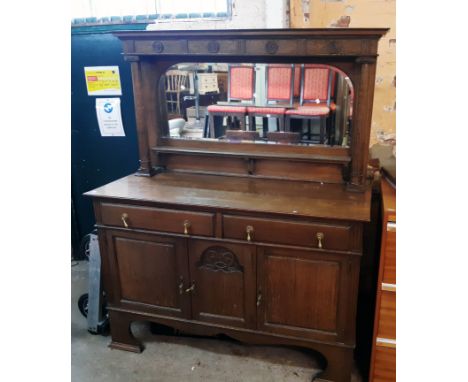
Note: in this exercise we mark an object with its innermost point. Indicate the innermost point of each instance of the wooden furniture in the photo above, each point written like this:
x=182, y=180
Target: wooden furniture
x=261, y=242
x=279, y=85
x=241, y=87
x=315, y=98
x=175, y=80
x=383, y=359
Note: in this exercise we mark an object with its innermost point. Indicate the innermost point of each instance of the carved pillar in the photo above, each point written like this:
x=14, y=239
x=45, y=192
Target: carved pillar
x=360, y=134
x=146, y=168
x=154, y=94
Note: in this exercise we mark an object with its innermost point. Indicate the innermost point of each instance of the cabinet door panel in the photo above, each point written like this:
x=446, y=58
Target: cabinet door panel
x=224, y=279
x=301, y=293
x=150, y=269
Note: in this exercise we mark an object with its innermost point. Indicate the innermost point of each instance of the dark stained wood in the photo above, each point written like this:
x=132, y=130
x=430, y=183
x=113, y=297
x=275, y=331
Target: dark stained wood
x=261, y=242
x=283, y=137
x=362, y=118
x=298, y=199
x=286, y=232
x=352, y=50
x=277, y=151
x=257, y=154
x=148, y=271
x=300, y=294
x=224, y=276
x=158, y=219
x=240, y=135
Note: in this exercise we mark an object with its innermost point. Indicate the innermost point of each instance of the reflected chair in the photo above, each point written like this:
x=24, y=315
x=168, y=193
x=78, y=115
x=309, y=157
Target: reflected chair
x=314, y=99
x=176, y=81
x=241, y=85
x=297, y=82
x=279, y=83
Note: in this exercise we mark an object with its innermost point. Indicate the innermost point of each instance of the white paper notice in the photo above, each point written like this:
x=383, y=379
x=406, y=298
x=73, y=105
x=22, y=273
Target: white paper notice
x=109, y=117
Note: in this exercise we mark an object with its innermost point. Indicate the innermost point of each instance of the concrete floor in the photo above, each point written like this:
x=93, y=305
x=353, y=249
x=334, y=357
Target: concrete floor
x=177, y=358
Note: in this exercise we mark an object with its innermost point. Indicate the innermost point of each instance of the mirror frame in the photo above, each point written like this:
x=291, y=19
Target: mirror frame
x=151, y=53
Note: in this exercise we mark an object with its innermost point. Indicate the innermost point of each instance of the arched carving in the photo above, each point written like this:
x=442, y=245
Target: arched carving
x=219, y=259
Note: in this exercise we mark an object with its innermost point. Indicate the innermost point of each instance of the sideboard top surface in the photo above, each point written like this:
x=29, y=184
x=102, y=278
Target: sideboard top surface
x=306, y=199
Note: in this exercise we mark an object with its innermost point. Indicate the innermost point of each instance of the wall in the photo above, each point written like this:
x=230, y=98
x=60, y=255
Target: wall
x=356, y=14
x=97, y=160
x=246, y=14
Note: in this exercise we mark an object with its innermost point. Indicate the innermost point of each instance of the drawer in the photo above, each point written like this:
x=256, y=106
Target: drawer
x=384, y=369
x=387, y=315
x=287, y=232
x=158, y=219
x=389, y=247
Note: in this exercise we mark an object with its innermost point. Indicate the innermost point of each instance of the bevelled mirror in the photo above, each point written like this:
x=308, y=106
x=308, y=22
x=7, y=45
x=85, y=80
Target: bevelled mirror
x=281, y=103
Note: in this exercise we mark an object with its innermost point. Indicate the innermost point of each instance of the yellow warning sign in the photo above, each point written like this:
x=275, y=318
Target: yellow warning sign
x=103, y=80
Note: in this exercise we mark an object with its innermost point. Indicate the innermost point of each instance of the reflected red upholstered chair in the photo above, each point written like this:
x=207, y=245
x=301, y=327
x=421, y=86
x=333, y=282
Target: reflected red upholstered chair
x=315, y=97
x=279, y=91
x=241, y=85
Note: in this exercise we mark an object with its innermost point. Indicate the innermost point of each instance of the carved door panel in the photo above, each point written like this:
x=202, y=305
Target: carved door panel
x=223, y=283
x=302, y=293
x=149, y=272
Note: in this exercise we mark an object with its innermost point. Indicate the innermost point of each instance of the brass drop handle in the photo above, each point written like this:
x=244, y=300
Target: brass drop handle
x=124, y=218
x=187, y=225
x=181, y=285
x=191, y=289
x=320, y=237
x=249, y=230
x=259, y=298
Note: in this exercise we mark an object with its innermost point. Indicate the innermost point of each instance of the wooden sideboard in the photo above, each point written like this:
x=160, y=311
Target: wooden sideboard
x=261, y=242
x=383, y=359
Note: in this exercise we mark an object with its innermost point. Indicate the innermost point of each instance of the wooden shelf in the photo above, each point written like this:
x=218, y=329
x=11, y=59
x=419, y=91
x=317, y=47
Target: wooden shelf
x=258, y=155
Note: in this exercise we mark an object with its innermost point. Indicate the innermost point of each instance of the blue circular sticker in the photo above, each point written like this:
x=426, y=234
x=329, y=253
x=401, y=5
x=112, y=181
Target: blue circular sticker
x=108, y=107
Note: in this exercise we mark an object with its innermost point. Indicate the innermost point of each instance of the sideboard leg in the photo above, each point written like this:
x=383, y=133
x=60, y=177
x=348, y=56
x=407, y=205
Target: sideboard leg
x=122, y=337
x=339, y=365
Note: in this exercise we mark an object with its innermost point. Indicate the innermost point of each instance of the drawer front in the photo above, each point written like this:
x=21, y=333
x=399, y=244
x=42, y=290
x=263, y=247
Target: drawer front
x=287, y=232
x=387, y=316
x=158, y=219
x=389, y=266
x=384, y=369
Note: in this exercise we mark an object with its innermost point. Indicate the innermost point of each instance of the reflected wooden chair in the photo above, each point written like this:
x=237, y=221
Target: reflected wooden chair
x=279, y=84
x=176, y=82
x=314, y=99
x=241, y=87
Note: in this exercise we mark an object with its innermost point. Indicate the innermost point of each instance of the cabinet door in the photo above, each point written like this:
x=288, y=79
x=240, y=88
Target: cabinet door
x=303, y=293
x=149, y=272
x=223, y=277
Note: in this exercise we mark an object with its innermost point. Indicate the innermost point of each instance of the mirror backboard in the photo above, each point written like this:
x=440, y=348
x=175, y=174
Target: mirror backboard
x=293, y=104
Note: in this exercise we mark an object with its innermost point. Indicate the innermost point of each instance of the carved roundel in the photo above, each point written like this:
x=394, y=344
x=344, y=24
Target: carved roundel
x=158, y=46
x=333, y=47
x=219, y=259
x=271, y=47
x=213, y=47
